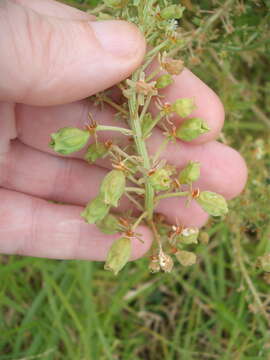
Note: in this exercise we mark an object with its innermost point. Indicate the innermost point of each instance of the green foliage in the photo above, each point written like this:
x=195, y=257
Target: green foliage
x=216, y=309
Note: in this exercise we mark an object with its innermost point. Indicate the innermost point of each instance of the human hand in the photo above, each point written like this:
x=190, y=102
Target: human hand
x=52, y=57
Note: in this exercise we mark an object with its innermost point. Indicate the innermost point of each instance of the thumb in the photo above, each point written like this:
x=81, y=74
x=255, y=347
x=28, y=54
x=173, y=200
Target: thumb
x=47, y=60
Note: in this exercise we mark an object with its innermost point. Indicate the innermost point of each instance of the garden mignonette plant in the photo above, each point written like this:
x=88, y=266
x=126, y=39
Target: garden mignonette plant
x=144, y=179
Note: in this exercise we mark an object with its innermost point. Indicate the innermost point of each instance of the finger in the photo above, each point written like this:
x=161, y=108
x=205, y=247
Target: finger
x=34, y=227
x=55, y=9
x=47, y=60
x=223, y=169
x=72, y=181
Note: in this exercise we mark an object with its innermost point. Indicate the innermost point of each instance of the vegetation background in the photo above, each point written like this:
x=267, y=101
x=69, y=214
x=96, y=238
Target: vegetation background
x=219, y=308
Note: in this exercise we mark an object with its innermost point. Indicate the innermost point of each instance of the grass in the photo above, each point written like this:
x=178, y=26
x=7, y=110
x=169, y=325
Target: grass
x=218, y=309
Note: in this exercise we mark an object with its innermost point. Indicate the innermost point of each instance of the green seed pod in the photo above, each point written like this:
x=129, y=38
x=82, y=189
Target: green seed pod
x=214, y=204
x=186, y=258
x=95, y=210
x=190, y=173
x=68, y=140
x=164, y=81
x=264, y=262
x=113, y=187
x=160, y=179
x=188, y=236
x=172, y=12
x=190, y=129
x=109, y=225
x=184, y=107
x=118, y=255
x=95, y=151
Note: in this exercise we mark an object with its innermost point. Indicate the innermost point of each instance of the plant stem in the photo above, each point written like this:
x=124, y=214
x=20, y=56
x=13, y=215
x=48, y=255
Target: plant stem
x=175, y=194
x=113, y=104
x=141, y=148
x=114, y=128
x=135, y=189
x=140, y=218
x=135, y=202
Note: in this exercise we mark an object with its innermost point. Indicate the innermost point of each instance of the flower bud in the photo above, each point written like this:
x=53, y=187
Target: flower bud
x=113, y=187
x=186, y=258
x=173, y=66
x=160, y=179
x=190, y=173
x=95, y=151
x=188, y=236
x=95, y=210
x=264, y=262
x=165, y=262
x=212, y=203
x=109, y=225
x=164, y=81
x=68, y=140
x=191, y=128
x=184, y=107
x=172, y=12
x=118, y=255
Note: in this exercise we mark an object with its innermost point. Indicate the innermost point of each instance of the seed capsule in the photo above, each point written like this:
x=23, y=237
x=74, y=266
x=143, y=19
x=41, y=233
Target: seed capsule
x=113, y=187
x=160, y=179
x=191, y=128
x=164, y=81
x=172, y=12
x=186, y=258
x=214, y=204
x=109, y=224
x=95, y=210
x=95, y=151
x=118, y=255
x=184, y=107
x=68, y=140
x=188, y=236
x=190, y=173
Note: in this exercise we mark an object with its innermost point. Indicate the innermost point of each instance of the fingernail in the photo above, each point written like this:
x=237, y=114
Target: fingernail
x=119, y=38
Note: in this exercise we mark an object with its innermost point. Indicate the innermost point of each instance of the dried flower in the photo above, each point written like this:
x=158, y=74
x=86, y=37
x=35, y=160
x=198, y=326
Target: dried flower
x=113, y=187
x=172, y=66
x=214, y=204
x=154, y=266
x=68, y=140
x=190, y=173
x=192, y=128
x=95, y=210
x=119, y=255
x=165, y=262
x=186, y=258
x=184, y=107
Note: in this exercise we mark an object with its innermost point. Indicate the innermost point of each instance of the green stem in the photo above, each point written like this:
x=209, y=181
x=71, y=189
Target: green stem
x=156, y=121
x=113, y=104
x=114, y=128
x=141, y=149
x=140, y=218
x=175, y=194
x=135, y=189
